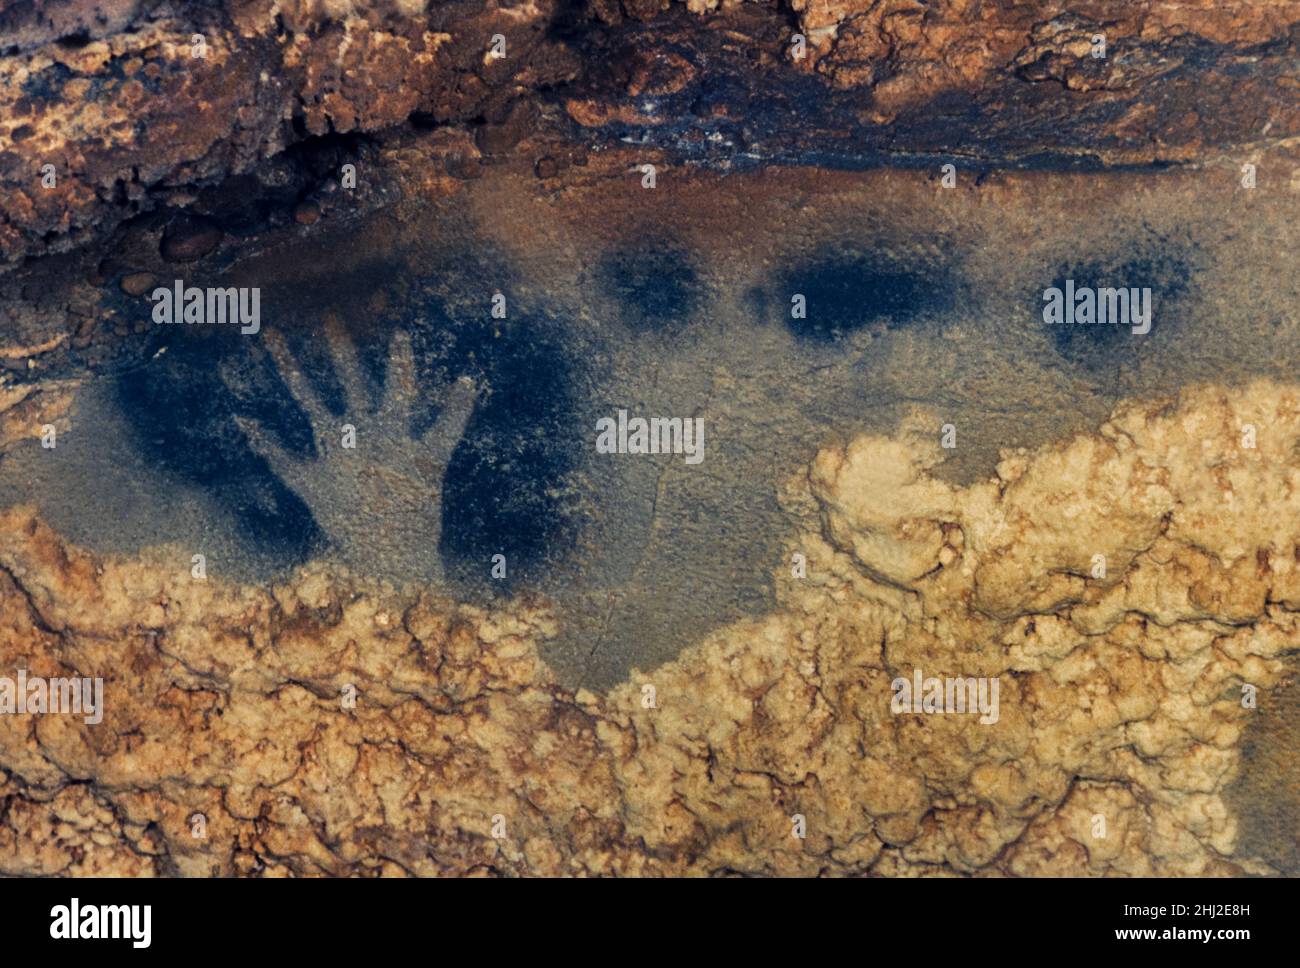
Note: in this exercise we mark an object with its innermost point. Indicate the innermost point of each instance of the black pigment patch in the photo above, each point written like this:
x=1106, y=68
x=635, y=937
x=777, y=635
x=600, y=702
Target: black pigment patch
x=1166, y=271
x=845, y=292
x=244, y=206
x=656, y=286
x=506, y=490
x=47, y=84
x=181, y=416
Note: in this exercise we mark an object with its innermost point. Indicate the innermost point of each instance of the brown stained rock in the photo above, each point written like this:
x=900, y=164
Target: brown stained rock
x=546, y=167
x=84, y=335
x=462, y=166
x=658, y=73
x=955, y=44
x=273, y=74
x=130, y=112
x=513, y=124
x=188, y=239
x=306, y=213
x=279, y=72
x=138, y=283
x=644, y=9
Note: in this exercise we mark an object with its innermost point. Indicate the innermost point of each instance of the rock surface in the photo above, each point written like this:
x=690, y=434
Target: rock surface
x=1120, y=695
x=112, y=110
x=227, y=746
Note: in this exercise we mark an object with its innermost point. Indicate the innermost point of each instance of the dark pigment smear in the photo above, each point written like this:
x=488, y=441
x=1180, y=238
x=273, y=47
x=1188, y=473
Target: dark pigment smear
x=181, y=417
x=1166, y=272
x=506, y=490
x=656, y=286
x=847, y=291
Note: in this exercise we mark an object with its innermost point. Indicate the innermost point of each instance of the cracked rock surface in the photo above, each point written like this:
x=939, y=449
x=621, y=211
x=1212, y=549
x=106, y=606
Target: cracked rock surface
x=112, y=110
x=1120, y=694
x=136, y=103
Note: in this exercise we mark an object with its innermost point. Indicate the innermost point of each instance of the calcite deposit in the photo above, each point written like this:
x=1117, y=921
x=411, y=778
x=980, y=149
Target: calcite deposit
x=1127, y=587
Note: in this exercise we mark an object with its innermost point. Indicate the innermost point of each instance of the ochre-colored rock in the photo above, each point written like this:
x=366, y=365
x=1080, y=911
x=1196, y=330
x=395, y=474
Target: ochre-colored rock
x=111, y=110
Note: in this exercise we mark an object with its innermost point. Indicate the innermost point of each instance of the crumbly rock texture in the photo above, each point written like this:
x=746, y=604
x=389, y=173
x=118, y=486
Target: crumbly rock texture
x=112, y=109
x=228, y=747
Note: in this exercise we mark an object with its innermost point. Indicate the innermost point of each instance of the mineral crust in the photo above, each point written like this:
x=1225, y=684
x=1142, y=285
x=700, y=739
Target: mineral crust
x=231, y=743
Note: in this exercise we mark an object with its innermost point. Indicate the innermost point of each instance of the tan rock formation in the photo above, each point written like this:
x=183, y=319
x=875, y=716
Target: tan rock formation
x=1121, y=692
